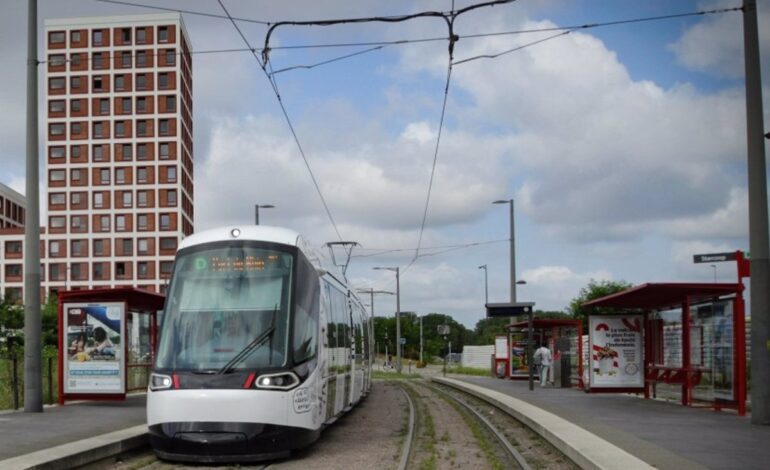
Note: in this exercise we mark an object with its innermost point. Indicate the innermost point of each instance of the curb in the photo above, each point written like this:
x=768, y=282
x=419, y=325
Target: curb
x=586, y=449
x=83, y=452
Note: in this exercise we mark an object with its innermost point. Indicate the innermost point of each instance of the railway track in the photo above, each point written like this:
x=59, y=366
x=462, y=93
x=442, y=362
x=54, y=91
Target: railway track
x=408, y=424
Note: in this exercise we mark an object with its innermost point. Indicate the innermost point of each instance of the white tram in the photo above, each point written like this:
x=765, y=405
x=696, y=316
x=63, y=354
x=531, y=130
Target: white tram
x=260, y=348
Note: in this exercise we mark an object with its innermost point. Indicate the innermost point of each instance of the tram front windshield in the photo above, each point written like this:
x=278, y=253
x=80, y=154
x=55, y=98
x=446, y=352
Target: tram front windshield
x=227, y=309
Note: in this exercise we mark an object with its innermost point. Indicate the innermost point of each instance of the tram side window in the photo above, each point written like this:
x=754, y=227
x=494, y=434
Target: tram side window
x=331, y=330
x=343, y=322
x=306, y=316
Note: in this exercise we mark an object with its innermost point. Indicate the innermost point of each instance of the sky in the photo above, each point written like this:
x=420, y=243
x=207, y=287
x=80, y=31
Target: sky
x=623, y=147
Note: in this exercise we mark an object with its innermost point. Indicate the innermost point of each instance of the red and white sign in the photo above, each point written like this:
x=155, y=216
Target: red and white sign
x=616, y=351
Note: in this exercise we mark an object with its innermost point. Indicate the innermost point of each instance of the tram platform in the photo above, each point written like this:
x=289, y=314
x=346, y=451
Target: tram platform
x=663, y=435
x=70, y=435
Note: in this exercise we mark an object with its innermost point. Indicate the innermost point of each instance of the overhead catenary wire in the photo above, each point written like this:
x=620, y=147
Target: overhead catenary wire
x=274, y=85
x=384, y=251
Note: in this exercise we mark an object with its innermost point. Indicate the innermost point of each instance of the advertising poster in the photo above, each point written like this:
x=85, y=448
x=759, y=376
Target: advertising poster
x=94, y=361
x=616, y=351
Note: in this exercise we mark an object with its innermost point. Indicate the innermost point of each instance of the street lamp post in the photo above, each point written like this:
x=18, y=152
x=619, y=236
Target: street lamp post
x=486, y=284
x=513, y=250
x=398, y=314
x=256, y=211
x=371, y=292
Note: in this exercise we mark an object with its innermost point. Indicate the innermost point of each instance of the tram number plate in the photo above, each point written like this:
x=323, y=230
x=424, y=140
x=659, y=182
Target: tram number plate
x=302, y=400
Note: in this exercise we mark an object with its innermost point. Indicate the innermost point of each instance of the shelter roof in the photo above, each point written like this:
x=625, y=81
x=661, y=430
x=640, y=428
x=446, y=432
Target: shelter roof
x=660, y=295
x=545, y=323
x=136, y=299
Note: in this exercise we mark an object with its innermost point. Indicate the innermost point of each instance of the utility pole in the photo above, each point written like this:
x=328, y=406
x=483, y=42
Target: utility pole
x=759, y=241
x=33, y=380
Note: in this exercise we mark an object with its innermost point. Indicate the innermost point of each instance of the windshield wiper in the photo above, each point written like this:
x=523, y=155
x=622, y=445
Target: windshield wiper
x=251, y=347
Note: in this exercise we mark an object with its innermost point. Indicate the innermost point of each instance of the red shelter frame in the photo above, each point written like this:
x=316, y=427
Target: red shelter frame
x=659, y=296
x=135, y=300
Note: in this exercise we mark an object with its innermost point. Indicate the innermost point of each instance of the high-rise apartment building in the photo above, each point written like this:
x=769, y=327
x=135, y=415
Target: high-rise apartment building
x=12, y=208
x=118, y=151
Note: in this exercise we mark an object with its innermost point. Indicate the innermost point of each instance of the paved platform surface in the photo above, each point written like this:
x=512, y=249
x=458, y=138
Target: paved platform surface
x=665, y=435
x=23, y=433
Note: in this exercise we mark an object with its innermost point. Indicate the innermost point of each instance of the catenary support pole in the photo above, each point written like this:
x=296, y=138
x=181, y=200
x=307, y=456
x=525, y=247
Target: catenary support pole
x=759, y=241
x=33, y=379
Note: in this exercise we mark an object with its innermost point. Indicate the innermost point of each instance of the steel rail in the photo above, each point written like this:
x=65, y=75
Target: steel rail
x=404, y=462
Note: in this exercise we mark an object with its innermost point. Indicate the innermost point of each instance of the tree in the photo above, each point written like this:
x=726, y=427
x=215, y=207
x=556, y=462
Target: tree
x=11, y=323
x=594, y=290
x=50, y=321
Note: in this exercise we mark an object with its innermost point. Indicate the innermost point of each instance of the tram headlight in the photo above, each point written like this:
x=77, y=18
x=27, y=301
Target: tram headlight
x=160, y=382
x=277, y=381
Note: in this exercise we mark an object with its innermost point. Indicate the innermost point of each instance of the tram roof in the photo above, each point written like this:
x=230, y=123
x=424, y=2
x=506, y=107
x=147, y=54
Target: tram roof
x=266, y=233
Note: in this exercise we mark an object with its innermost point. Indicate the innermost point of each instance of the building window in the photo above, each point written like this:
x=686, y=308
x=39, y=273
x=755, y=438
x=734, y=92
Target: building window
x=120, y=128
x=168, y=243
x=125, y=105
x=171, y=174
x=128, y=247
x=141, y=36
x=141, y=201
x=58, y=222
x=120, y=82
x=74, y=60
x=128, y=199
x=163, y=81
x=141, y=221
x=141, y=151
x=56, y=83
x=98, y=270
x=141, y=58
x=57, y=60
x=56, y=199
x=126, y=151
x=98, y=63
x=13, y=247
x=120, y=175
x=75, y=270
x=97, y=153
x=57, y=128
x=171, y=197
x=171, y=104
x=104, y=176
x=162, y=33
x=125, y=59
x=165, y=222
x=125, y=35
x=142, y=246
x=74, y=36
x=74, y=106
x=98, y=36
x=98, y=247
x=75, y=152
x=98, y=129
x=54, y=248
x=98, y=200
x=141, y=174
x=57, y=175
x=164, y=150
x=120, y=223
x=142, y=268
x=75, y=128
x=75, y=83
x=165, y=267
x=77, y=247
x=76, y=199
x=77, y=222
x=53, y=271
x=141, y=128
x=75, y=175
x=141, y=104
x=97, y=86
x=104, y=223
x=56, y=37
x=163, y=127
x=120, y=269
x=56, y=106
x=104, y=105
x=170, y=57
x=141, y=82
x=57, y=152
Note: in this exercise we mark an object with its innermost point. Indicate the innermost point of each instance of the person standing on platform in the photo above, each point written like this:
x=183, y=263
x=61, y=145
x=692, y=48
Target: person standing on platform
x=544, y=358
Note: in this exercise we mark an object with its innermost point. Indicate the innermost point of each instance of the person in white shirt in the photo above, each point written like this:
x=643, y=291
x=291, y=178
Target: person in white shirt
x=544, y=358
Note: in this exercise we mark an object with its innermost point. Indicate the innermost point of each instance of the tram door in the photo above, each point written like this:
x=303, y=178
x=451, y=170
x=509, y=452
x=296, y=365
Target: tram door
x=338, y=361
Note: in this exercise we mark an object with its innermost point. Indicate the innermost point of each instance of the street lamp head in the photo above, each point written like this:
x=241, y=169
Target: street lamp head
x=384, y=268
x=521, y=282
x=265, y=206
x=500, y=201
x=483, y=266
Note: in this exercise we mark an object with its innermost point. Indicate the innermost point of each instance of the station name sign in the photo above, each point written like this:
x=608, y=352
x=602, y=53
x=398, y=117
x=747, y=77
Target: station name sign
x=715, y=257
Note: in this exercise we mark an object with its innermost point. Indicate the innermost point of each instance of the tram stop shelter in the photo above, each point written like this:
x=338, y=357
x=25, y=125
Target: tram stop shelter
x=694, y=340
x=107, y=341
x=563, y=339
